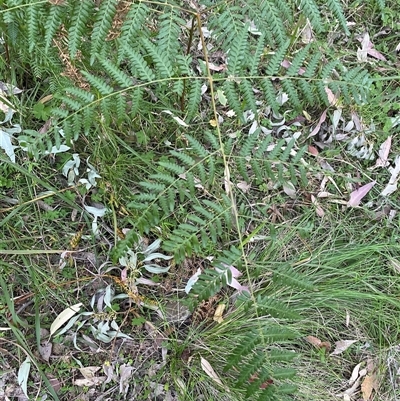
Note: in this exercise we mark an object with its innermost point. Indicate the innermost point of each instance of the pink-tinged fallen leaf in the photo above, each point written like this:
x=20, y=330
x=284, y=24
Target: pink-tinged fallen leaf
x=235, y=273
x=316, y=342
x=318, y=126
x=332, y=98
x=357, y=195
x=367, y=48
x=318, y=209
x=214, y=67
x=384, y=153
x=286, y=64
x=313, y=150
x=342, y=346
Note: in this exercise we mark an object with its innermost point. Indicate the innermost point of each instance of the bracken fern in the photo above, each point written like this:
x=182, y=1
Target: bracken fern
x=149, y=57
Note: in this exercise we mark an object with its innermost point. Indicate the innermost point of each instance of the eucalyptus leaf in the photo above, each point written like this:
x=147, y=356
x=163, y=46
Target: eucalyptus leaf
x=156, y=269
x=157, y=256
x=23, y=375
x=152, y=247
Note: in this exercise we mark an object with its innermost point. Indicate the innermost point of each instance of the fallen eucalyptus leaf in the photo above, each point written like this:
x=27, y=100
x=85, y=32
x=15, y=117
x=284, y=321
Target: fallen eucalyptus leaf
x=64, y=316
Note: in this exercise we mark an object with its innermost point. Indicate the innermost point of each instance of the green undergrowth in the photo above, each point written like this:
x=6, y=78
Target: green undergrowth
x=176, y=128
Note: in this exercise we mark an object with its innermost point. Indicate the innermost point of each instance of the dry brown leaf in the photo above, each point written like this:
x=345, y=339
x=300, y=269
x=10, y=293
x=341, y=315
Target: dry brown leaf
x=368, y=386
x=316, y=342
x=218, y=313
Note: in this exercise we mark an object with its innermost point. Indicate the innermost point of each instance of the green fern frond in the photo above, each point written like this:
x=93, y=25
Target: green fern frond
x=169, y=28
x=280, y=355
x=133, y=26
x=33, y=19
x=98, y=83
x=138, y=65
x=269, y=16
x=336, y=7
x=194, y=99
x=287, y=276
x=274, y=63
x=249, y=367
x=80, y=17
x=310, y=9
x=116, y=73
x=102, y=25
x=172, y=167
x=233, y=98
x=159, y=58
x=248, y=94
x=256, y=56
x=53, y=22
x=298, y=61
x=237, y=53
x=227, y=25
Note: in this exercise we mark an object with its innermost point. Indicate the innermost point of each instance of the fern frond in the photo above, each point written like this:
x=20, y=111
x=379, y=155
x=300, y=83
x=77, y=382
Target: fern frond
x=270, y=94
x=248, y=95
x=33, y=19
x=174, y=168
x=138, y=65
x=116, y=73
x=286, y=276
x=102, y=25
x=233, y=98
x=310, y=9
x=291, y=90
x=227, y=25
x=98, y=83
x=197, y=146
x=274, y=63
x=169, y=27
x=133, y=26
x=237, y=53
x=80, y=16
x=269, y=16
x=194, y=99
x=336, y=7
x=255, y=58
x=159, y=58
x=53, y=22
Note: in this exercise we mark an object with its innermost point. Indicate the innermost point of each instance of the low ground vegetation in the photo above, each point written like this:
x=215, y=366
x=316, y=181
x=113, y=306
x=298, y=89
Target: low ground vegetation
x=198, y=200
